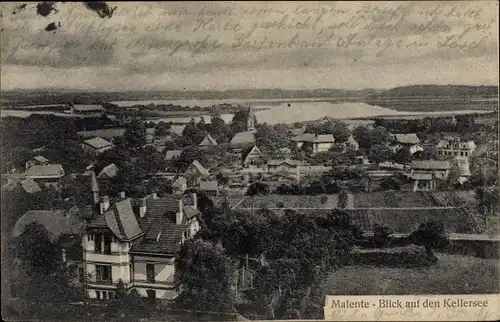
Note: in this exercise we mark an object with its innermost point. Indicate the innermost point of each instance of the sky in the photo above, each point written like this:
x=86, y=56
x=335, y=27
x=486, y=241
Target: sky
x=232, y=45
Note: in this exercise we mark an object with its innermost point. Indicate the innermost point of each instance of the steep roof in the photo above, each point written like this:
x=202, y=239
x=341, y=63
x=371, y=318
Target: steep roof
x=43, y=171
x=97, y=143
x=30, y=186
x=251, y=151
x=162, y=234
x=430, y=165
x=172, y=154
x=108, y=171
x=201, y=170
x=121, y=220
x=243, y=138
x=410, y=138
x=208, y=141
x=57, y=222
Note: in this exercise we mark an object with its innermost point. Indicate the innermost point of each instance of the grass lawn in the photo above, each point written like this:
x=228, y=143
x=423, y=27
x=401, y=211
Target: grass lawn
x=452, y=274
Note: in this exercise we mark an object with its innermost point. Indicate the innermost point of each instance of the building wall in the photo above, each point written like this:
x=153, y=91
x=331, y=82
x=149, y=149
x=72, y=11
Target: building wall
x=440, y=174
x=322, y=147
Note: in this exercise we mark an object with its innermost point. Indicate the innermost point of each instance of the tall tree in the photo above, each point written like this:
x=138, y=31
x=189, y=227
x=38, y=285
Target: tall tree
x=135, y=134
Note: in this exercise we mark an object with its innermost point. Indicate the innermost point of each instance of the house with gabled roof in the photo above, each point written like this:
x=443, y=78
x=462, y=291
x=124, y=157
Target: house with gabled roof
x=410, y=141
x=172, y=155
x=136, y=241
x=108, y=172
x=313, y=143
x=283, y=165
x=179, y=185
x=45, y=175
x=253, y=158
x=208, y=141
x=96, y=146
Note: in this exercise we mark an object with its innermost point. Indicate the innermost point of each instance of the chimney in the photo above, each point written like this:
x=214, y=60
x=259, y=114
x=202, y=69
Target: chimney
x=122, y=194
x=104, y=205
x=195, y=200
x=64, y=255
x=142, y=208
x=179, y=214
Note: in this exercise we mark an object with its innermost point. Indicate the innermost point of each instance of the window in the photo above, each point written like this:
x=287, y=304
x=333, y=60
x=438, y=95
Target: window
x=111, y=295
x=98, y=295
x=81, y=274
x=90, y=237
x=103, y=273
x=98, y=243
x=466, y=153
x=107, y=244
x=461, y=153
x=150, y=272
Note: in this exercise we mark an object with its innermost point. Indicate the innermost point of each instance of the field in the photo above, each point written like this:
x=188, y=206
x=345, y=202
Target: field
x=284, y=201
x=452, y=274
x=411, y=199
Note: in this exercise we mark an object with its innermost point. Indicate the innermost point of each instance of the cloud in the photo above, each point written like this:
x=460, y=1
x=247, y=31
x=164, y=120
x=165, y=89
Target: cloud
x=192, y=44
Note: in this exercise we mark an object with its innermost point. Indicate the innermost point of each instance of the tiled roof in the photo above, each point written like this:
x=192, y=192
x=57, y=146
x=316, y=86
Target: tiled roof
x=50, y=170
x=411, y=138
x=208, y=140
x=430, y=165
x=304, y=137
x=40, y=158
x=57, y=222
x=108, y=171
x=173, y=154
x=250, y=151
x=208, y=185
x=30, y=186
x=97, y=143
x=243, y=138
x=121, y=220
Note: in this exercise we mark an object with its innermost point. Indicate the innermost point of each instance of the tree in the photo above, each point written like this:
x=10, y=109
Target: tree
x=403, y=156
x=258, y=188
x=218, y=129
x=192, y=133
x=135, y=134
x=343, y=199
x=390, y=184
x=381, y=235
x=431, y=235
x=271, y=138
x=35, y=248
x=205, y=275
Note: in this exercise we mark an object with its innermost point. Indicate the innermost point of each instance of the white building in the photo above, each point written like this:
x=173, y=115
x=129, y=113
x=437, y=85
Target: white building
x=405, y=141
x=314, y=143
x=136, y=241
x=454, y=147
x=96, y=146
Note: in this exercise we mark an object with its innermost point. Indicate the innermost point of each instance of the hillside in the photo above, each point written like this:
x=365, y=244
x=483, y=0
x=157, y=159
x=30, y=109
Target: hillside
x=437, y=92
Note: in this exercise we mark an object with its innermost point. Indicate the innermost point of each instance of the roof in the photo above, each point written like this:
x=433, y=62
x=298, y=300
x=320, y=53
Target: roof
x=197, y=165
x=88, y=108
x=314, y=138
x=249, y=151
x=179, y=182
x=298, y=131
x=30, y=186
x=410, y=138
x=121, y=220
x=162, y=234
x=211, y=185
x=243, y=138
x=40, y=158
x=94, y=185
x=285, y=161
x=57, y=222
x=108, y=171
x=150, y=130
x=430, y=165
x=98, y=143
x=172, y=154
x=43, y=171
x=451, y=140
x=208, y=140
